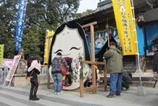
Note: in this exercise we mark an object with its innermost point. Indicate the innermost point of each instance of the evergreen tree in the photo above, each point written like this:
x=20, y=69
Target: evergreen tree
x=40, y=16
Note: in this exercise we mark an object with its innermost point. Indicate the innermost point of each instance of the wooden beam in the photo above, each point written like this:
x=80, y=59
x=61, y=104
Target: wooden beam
x=93, y=88
x=91, y=25
x=88, y=25
x=96, y=62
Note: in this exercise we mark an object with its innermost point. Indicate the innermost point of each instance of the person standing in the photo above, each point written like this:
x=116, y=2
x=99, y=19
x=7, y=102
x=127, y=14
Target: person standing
x=56, y=73
x=115, y=68
x=155, y=60
x=33, y=71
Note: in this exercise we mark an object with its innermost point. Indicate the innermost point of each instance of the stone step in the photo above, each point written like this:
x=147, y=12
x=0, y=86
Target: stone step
x=144, y=83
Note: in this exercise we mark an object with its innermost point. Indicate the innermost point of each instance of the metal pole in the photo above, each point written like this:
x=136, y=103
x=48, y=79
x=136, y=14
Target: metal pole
x=138, y=59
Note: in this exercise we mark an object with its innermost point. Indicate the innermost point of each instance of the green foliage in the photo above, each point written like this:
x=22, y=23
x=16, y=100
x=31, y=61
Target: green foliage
x=7, y=25
x=40, y=16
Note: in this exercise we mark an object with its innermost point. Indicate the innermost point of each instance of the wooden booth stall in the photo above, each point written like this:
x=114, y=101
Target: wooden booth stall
x=93, y=63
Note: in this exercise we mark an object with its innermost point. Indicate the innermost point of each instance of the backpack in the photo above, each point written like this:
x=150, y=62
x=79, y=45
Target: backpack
x=51, y=70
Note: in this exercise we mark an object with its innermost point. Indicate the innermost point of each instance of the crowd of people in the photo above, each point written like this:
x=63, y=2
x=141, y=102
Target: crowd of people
x=69, y=42
x=59, y=68
x=115, y=67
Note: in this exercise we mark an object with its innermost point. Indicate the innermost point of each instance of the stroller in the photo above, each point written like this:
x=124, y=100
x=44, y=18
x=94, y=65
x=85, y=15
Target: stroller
x=126, y=80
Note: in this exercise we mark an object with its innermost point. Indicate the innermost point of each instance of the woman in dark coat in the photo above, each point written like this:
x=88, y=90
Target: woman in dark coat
x=33, y=79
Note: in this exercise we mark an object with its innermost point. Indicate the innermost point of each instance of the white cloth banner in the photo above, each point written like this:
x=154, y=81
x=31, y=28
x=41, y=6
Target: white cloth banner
x=13, y=68
x=35, y=65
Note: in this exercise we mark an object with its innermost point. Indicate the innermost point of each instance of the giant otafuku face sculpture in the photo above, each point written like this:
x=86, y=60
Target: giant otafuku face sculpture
x=69, y=39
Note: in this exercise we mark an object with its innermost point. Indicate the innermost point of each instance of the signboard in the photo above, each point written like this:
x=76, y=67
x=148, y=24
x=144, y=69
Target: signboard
x=1, y=53
x=20, y=22
x=125, y=22
x=13, y=68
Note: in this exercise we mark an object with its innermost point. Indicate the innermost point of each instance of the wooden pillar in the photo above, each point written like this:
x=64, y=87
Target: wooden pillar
x=48, y=80
x=93, y=58
x=91, y=25
x=105, y=77
x=81, y=78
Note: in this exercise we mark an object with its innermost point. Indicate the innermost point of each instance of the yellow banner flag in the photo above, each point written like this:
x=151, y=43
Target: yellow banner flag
x=1, y=53
x=125, y=22
x=48, y=41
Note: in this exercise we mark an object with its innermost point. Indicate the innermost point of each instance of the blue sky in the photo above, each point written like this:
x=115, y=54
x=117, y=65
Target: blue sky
x=87, y=4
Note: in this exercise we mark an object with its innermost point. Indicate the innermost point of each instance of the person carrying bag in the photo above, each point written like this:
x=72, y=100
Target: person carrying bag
x=60, y=68
x=33, y=71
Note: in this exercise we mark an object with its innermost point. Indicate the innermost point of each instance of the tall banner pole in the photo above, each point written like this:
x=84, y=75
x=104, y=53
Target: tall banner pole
x=20, y=22
x=140, y=87
x=126, y=26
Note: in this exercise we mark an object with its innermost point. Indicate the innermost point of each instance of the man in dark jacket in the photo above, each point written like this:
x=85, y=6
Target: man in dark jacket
x=115, y=68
